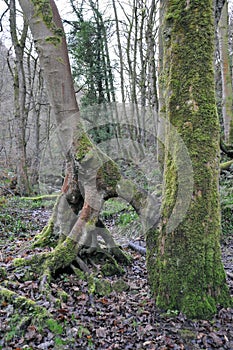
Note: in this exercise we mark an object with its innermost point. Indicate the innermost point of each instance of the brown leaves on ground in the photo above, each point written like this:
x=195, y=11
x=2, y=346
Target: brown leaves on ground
x=124, y=321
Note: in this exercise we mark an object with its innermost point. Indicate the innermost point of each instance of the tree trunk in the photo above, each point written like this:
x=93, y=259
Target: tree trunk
x=151, y=56
x=20, y=110
x=91, y=176
x=187, y=273
x=227, y=94
x=120, y=52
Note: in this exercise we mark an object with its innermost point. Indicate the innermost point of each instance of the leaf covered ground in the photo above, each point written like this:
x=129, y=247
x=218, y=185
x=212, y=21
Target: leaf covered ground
x=76, y=319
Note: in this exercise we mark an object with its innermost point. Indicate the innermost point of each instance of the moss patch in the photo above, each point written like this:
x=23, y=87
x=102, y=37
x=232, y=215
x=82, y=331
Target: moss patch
x=62, y=256
x=84, y=146
x=45, y=238
x=38, y=313
x=110, y=269
x=43, y=10
x=120, y=286
x=103, y=287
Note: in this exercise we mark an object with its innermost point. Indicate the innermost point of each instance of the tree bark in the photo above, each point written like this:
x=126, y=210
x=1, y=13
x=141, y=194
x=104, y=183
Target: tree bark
x=120, y=52
x=91, y=176
x=20, y=109
x=227, y=94
x=187, y=273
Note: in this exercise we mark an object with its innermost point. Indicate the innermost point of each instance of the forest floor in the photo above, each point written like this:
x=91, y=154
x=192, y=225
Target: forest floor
x=120, y=320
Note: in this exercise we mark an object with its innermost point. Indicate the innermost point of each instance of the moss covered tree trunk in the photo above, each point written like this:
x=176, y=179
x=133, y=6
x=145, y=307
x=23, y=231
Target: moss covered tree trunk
x=184, y=259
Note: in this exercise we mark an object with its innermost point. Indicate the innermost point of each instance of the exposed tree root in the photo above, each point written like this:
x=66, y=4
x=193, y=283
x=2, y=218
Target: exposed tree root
x=27, y=312
x=70, y=254
x=74, y=230
x=137, y=248
x=82, y=266
x=38, y=312
x=45, y=237
x=35, y=260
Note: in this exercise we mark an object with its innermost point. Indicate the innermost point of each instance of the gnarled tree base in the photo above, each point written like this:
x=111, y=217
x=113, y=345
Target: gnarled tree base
x=84, y=262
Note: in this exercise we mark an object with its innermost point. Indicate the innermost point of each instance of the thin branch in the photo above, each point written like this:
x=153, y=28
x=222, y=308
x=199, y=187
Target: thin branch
x=1, y=18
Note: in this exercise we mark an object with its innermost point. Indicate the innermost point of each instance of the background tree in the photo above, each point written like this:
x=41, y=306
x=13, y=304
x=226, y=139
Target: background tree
x=6, y=115
x=136, y=38
x=131, y=64
x=187, y=273
x=227, y=94
x=20, y=112
x=89, y=46
x=24, y=106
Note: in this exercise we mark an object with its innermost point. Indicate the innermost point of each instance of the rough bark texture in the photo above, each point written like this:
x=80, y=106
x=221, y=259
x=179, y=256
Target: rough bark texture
x=187, y=273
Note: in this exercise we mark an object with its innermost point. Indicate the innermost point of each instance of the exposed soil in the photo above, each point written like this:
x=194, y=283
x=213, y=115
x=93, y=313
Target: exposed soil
x=121, y=320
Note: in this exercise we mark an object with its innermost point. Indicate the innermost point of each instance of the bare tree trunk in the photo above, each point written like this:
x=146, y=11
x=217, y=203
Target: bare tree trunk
x=151, y=33
x=227, y=93
x=21, y=113
x=122, y=80
x=161, y=85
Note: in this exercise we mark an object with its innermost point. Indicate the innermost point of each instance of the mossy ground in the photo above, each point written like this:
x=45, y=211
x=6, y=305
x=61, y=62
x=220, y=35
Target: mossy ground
x=75, y=311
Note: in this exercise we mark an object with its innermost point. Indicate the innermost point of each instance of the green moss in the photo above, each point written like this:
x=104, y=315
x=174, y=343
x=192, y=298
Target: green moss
x=84, y=146
x=63, y=295
x=102, y=287
x=130, y=192
x=43, y=10
x=91, y=284
x=127, y=189
x=111, y=174
x=19, y=262
x=121, y=256
x=34, y=260
x=226, y=165
x=110, y=269
x=37, y=313
x=120, y=286
x=198, y=307
x=39, y=198
x=80, y=274
x=60, y=60
x=3, y=273
x=54, y=40
x=62, y=256
x=54, y=326
x=45, y=238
